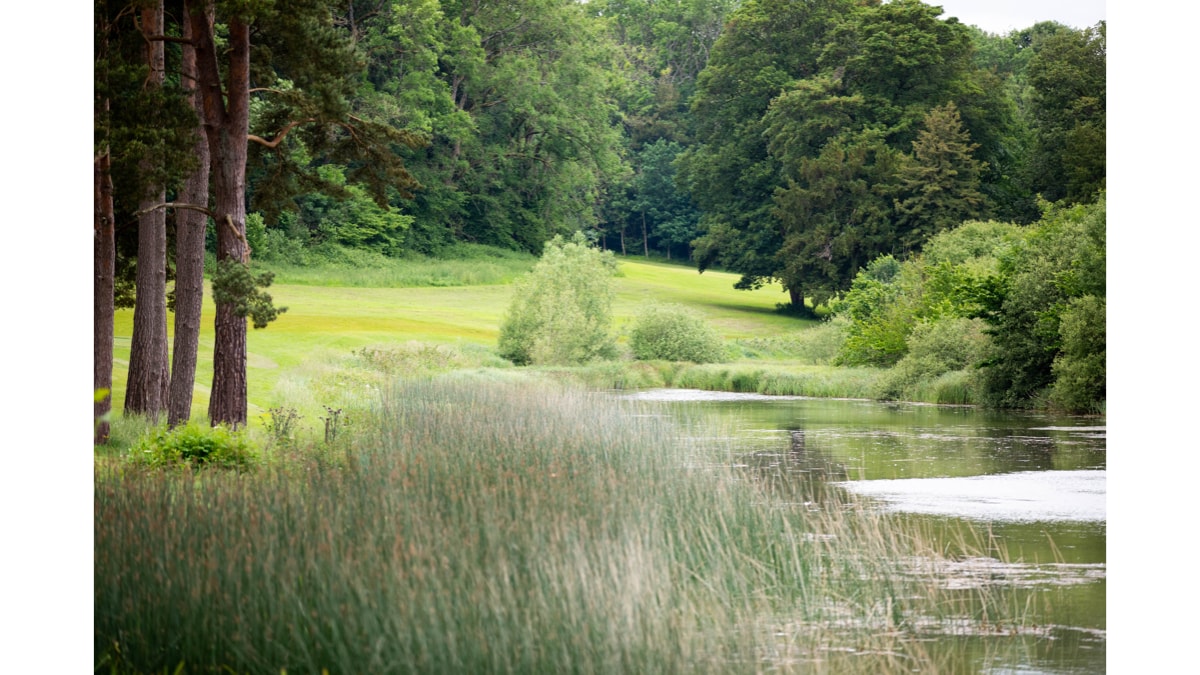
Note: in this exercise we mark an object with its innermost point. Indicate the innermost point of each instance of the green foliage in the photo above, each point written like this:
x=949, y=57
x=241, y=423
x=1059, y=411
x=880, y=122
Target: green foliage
x=805, y=116
x=939, y=186
x=524, y=129
x=674, y=333
x=218, y=447
x=561, y=312
x=768, y=46
x=889, y=299
x=1025, y=304
x=836, y=214
x=1079, y=368
x=1068, y=75
x=670, y=217
x=256, y=235
x=1061, y=259
x=882, y=309
x=234, y=283
x=353, y=219
x=934, y=348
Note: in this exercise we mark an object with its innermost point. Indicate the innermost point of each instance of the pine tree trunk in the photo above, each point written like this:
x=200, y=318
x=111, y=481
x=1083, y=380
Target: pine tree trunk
x=190, y=228
x=104, y=269
x=227, y=124
x=227, y=404
x=147, y=389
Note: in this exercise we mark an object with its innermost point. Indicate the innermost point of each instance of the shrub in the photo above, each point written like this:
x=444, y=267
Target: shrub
x=200, y=446
x=934, y=349
x=882, y=305
x=1038, y=284
x=1079, y=369
x=561, y=312
x=673, y=333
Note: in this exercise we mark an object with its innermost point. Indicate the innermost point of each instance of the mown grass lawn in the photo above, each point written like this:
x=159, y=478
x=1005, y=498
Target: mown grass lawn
x=323, y=320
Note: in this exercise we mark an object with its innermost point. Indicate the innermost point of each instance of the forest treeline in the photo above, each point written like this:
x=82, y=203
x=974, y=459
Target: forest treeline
x=790, y=142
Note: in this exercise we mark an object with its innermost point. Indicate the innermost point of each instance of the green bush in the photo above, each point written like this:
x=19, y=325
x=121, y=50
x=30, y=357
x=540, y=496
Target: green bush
x=1079, y=369
x=934, y=349
x=200, y=446
x=882, y=306
x=561, y=312
x=1039, y=285
x=674, y=333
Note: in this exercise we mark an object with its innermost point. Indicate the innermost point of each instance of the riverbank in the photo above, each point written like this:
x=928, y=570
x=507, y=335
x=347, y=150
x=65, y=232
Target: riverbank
x=464, y=526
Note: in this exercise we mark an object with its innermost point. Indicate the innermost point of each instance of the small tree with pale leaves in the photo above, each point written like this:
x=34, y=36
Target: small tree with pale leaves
x=561, y=312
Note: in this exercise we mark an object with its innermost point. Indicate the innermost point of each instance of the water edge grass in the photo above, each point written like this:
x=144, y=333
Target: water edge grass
x=480, y=526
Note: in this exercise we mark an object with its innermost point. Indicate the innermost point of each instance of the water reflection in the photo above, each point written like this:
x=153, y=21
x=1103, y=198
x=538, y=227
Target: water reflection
x=801, y=472
x=1032, y=485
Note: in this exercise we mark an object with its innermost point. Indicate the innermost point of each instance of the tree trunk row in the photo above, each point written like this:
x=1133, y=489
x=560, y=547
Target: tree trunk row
x=154, y=385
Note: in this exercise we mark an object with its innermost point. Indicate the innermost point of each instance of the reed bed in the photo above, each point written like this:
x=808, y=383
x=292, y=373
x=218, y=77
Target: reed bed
x=511, y=527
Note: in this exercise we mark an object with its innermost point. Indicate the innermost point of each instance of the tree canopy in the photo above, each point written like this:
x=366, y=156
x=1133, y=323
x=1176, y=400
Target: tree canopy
x=793, y=143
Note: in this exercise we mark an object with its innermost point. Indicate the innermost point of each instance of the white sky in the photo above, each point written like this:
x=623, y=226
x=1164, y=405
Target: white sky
x=1001, y=16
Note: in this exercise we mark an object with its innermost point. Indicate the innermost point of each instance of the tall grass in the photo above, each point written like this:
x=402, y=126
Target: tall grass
x=508, y=528
x=459, y=265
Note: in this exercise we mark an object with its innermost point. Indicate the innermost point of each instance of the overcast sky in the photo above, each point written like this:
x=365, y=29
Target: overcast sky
x=1001, y=16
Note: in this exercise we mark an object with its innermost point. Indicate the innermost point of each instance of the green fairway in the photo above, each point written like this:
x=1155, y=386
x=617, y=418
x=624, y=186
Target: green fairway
x=327, y=322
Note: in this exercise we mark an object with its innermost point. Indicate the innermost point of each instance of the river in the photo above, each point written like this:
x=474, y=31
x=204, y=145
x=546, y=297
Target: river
x=1031, y=486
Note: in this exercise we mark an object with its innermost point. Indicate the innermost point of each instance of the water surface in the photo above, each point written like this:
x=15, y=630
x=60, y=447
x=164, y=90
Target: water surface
x=1032, y=485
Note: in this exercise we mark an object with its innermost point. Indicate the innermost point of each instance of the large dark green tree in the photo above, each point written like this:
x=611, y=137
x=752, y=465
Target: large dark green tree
x=767, y=46
x=1067, y=74
x=836, y=215
x=803, y=116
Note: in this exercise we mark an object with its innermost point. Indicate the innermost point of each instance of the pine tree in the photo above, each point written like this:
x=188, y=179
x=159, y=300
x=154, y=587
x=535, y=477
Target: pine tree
x=940, y=183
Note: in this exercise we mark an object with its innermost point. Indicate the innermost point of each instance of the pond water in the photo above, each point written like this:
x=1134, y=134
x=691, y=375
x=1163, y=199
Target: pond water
x=1032, y=484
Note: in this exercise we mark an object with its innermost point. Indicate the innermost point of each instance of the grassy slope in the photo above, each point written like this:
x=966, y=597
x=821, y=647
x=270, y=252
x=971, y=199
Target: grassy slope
x=341, y=319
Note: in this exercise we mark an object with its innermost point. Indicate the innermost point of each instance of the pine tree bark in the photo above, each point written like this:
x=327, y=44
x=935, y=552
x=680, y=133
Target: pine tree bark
x=190, y=228
x=227, y=126
x=104, y=270
x=147, y=389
